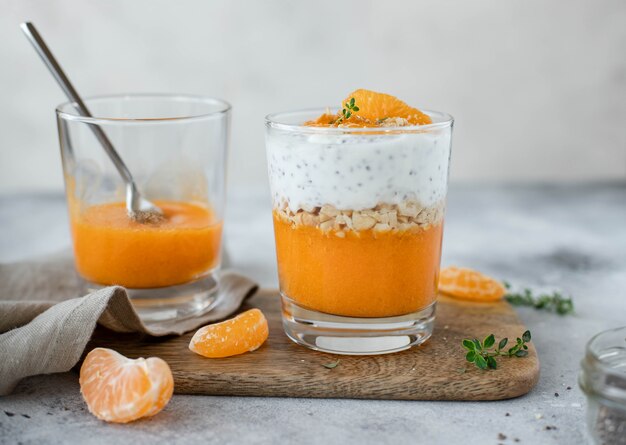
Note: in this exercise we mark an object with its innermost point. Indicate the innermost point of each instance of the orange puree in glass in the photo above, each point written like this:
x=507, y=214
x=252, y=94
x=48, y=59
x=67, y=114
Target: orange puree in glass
x=109, y=248
x=364, y=274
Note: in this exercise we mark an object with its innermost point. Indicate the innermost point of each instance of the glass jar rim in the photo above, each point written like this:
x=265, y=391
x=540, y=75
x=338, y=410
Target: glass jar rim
x=592, y=353
x=274, y=120
x=594, y=365
x=67, y=110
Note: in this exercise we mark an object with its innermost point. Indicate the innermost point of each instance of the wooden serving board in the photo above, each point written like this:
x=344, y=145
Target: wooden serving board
x=434, y=371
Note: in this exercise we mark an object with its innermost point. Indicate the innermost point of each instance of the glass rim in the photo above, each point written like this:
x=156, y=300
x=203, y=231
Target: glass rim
x=273, y=121
x=595, y=362
x=592, y=343
x=73, y=115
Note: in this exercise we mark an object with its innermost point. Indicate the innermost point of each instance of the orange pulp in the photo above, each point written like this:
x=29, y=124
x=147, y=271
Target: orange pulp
x=110, y=248
x=363, y=274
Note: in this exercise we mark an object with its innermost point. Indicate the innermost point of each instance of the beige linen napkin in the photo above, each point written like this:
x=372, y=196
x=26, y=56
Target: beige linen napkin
x=44, y=328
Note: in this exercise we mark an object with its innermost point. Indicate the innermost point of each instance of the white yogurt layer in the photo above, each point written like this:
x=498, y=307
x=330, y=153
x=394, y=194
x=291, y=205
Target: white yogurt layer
x=357, y=172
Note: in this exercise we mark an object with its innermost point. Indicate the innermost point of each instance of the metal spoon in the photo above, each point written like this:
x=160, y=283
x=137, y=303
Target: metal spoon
x=138, y=208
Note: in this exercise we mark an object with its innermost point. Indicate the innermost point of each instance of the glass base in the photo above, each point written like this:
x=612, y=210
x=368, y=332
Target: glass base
x=356, y=336
x=164, y=305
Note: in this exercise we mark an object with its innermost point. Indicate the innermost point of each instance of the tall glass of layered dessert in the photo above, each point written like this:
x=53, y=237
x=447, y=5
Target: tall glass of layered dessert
x=358, y=206
x=175, y=147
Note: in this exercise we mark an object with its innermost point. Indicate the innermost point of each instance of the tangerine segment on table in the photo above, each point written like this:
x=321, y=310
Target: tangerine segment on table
x=119, y=389
x=110, y=248
x=361, y=274
x=244, y=333
x=371, y=109
x=469, y=284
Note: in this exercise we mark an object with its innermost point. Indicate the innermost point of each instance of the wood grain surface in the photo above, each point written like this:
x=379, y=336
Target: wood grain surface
x=434, y=371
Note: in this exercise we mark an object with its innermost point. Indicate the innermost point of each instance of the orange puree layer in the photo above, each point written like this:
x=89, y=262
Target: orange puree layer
x=364, y=274
x=109, y=248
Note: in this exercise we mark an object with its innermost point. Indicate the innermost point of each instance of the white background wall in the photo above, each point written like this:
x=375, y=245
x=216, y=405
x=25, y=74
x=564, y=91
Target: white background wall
x=538, y=88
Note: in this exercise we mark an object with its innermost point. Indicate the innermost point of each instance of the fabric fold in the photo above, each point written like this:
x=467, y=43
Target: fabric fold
x=44, y=328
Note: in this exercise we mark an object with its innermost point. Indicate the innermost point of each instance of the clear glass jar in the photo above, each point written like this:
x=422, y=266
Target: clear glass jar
x=175, y=147
x=603, y=380
x=358, y=221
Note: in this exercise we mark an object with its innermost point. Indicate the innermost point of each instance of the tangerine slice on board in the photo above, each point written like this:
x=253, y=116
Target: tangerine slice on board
x=119, y=389
x=244, y=333
x=469, y=284
x=375, y=106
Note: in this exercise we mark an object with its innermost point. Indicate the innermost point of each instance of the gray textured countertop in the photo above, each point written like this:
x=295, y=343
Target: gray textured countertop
x=568, y=237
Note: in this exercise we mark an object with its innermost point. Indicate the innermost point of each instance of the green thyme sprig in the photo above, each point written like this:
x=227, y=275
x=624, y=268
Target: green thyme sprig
x=483, y=353
x=350, y=107
x=554, y=302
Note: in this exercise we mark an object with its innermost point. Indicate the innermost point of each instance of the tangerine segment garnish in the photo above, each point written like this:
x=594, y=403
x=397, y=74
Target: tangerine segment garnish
x=324, y=120
x=469, y=284
x=377, y=107
x=244, y=333
x=119, y=389
x=365, y=108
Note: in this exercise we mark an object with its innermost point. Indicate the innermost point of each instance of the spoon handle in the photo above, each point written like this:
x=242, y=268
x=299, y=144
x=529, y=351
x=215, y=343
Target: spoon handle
x=57, y=72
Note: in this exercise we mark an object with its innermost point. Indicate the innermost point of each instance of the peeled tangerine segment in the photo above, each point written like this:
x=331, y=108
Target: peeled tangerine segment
x=374, y=106
x=244, y=333
x=469, y=284
x=119, y=389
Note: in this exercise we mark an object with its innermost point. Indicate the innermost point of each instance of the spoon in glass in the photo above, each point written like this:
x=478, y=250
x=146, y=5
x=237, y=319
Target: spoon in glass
x=137, y=207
